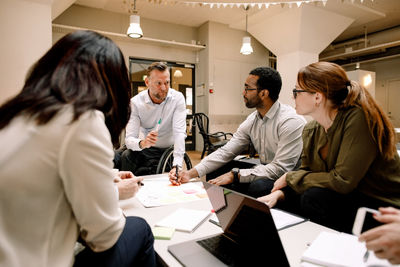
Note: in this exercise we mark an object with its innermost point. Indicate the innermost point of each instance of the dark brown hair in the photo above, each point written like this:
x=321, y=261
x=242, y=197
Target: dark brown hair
x=331, y=80
x=83, y=69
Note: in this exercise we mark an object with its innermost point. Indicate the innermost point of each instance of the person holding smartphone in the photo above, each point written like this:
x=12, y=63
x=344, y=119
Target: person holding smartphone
x=384, y=240
x=349, y=157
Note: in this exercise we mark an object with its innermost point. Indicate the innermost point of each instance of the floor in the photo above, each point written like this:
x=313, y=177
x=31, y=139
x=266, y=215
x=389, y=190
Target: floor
x=194, y=157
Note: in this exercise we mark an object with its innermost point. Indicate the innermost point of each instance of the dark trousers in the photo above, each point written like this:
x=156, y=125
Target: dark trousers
x=133, y=248
x=327, y=207
x=256, y=188
x=142, y=162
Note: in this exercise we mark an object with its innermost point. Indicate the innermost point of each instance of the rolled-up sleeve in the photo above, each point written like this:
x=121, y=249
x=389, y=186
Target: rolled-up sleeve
x=132, y=129
x=85, y=165
x=179, y=129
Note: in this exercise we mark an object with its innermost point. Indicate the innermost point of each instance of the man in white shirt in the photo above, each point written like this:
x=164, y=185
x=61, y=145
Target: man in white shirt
x=159, y=114
x=275, y=131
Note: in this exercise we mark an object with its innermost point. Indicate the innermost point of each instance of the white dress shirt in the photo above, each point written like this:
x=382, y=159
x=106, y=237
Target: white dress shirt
x=145, y=116
x=276, y=138
x=56, y=181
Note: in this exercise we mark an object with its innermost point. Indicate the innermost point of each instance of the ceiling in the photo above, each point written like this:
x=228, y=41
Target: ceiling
x=369, y=15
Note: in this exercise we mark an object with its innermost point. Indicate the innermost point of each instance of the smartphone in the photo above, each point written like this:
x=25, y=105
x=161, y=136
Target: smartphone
x=364, y=220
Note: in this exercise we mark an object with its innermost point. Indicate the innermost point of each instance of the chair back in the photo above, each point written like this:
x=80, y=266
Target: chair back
x=201, y=120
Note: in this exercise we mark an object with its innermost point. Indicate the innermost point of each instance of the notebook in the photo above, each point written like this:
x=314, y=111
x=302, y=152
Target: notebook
x=185, y=220
x=340, y=250
x=250, y=237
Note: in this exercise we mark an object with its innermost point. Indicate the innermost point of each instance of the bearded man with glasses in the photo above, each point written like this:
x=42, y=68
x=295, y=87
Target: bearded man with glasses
x=274, y=129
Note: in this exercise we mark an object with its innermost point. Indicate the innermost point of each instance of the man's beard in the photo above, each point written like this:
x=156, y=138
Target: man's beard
x=253, y=103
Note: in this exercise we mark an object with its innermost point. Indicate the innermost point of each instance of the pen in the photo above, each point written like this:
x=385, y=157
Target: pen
x=176, y=172
x=140, y=183
x=366, y=255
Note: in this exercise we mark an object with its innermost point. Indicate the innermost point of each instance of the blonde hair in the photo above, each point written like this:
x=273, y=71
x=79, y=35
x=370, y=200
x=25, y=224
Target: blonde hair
x=331, y=80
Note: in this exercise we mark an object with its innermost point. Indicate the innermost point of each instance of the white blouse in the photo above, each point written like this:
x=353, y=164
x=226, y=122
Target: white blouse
x=56, y=182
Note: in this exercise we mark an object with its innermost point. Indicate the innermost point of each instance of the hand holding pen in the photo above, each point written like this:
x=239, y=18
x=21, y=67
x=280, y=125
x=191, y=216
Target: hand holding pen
x=178, y=177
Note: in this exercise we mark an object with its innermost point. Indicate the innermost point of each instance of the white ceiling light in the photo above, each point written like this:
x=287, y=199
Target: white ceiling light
x=246, y=48
x=134, y=30
x=178, y=74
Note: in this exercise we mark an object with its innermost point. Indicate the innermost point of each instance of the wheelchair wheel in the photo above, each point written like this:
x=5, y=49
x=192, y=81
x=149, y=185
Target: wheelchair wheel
x=167, y=159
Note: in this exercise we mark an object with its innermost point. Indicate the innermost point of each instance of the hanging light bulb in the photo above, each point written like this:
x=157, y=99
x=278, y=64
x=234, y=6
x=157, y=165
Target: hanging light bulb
x=134, y=30
x=246, y=48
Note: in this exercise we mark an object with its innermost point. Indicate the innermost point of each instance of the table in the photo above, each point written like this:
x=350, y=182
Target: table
x=295, y=239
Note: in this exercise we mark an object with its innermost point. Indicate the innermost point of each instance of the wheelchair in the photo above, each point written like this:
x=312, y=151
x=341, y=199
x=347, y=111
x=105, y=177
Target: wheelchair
x=167, y=159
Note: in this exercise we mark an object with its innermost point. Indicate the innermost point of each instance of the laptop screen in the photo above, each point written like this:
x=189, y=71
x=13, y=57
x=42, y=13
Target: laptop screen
x=247, y=221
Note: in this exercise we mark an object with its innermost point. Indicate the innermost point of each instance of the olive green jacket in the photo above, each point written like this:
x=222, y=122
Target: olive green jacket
x=353, y=161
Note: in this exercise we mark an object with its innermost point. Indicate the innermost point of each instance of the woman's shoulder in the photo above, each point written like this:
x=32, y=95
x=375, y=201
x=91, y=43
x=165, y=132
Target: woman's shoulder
x=352, y=115
x=311, y=126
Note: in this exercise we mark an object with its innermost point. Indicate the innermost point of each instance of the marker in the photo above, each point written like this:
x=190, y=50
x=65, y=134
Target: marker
x=158, y=125
x=140, y=183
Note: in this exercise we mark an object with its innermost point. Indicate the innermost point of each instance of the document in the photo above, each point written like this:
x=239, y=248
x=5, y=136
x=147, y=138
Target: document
x=158, y=191
x=340, y=250
x=284, y=220
x=185, y=220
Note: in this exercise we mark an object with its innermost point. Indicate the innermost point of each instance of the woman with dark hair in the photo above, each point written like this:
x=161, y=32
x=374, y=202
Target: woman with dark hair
x=349, y=155
x=56, y=177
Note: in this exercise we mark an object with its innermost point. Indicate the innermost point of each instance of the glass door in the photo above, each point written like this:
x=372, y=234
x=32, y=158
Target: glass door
x=182, y=80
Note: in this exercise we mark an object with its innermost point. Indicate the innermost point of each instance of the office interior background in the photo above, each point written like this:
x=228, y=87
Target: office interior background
x=201, y=42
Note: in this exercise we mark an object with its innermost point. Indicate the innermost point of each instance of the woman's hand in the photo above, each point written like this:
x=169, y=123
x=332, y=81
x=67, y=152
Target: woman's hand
x=280, y=183
x=272, y=198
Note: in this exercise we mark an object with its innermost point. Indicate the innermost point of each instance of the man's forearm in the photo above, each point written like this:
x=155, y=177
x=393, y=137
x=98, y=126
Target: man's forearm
x=193, y=173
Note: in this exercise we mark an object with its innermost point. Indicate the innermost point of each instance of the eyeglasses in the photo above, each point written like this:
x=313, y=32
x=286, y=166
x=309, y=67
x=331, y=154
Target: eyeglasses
x=249, y=89
x=295, y=91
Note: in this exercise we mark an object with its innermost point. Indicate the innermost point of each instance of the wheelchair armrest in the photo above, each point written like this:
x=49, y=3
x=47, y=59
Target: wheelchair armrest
x=220, y=134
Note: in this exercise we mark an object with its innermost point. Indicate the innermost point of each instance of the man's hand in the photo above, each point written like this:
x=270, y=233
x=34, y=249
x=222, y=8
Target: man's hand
x=127, y=184
x=280, y=183
x=272, y=198
x=183, y=177
x=384, y=240
x=226, y=178
x=150, y=140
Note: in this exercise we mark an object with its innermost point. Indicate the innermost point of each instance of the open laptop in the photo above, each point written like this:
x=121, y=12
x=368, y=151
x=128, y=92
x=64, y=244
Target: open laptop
x=250, y=237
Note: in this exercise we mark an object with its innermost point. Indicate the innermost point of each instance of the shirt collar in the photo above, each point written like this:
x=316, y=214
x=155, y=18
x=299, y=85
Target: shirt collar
x=271, y=112
x=148, y=100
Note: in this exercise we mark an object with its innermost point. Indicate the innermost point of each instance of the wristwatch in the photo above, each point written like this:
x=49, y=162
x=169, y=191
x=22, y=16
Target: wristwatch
x=235, y=172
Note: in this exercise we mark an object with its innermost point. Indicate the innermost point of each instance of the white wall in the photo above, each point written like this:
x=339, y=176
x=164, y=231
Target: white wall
x=385, y=71
x=228, y=69
x=96, y=19
x=224, y=70
x=26, y=35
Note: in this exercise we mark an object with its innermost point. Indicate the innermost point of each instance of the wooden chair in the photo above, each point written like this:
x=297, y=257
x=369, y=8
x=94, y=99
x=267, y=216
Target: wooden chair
x=209, y=142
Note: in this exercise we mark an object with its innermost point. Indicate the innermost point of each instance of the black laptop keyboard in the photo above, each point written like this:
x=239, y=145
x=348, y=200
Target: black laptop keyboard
x=221, y=247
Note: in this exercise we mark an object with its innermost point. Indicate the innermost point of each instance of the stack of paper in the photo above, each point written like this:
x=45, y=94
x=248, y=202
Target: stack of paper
x=186, y=220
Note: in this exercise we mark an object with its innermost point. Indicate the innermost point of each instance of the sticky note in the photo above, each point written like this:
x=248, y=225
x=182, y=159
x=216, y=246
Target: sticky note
x=162, y=233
